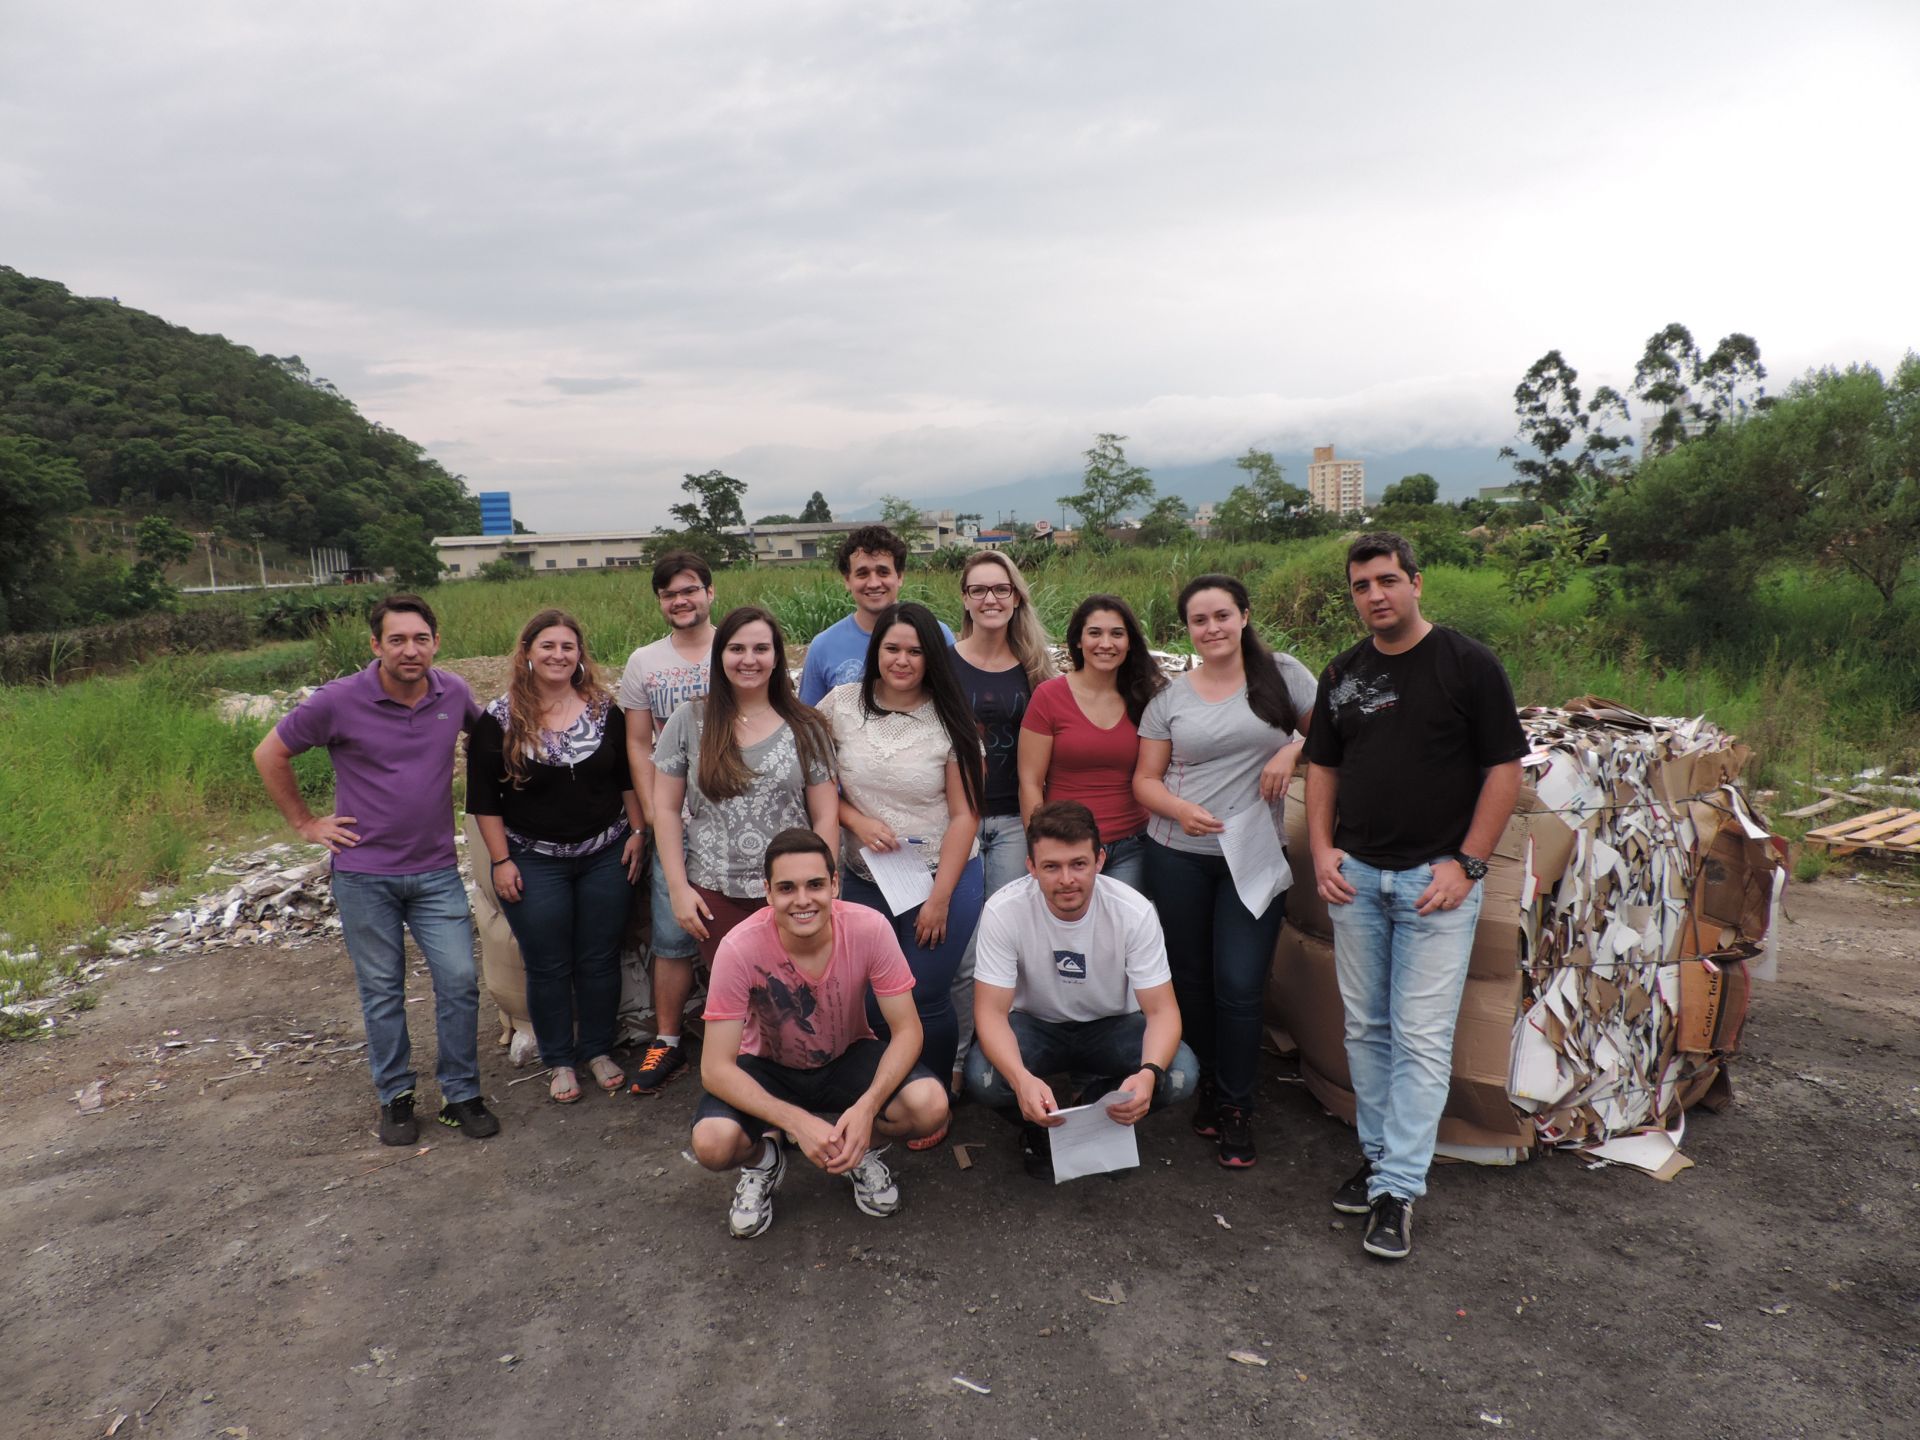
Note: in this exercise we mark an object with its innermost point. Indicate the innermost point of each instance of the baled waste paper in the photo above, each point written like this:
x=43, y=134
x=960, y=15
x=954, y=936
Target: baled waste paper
x=1628, y=908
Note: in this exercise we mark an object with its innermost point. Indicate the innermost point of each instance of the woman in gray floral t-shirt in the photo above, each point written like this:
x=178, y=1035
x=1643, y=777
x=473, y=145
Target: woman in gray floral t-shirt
x=731, y=772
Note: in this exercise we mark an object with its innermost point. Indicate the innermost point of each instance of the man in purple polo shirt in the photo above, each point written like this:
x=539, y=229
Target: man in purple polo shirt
x=390, y=732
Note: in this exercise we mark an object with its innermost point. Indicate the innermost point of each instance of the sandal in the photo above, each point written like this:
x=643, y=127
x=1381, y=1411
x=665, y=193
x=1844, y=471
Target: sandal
x=607, y=1074
x=565, y=1092
x=928, y=1142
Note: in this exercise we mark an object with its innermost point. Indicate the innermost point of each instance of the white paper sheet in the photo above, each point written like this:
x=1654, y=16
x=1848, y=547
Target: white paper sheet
x=901, y=874
x=1255, y=856
x=1088, y=1141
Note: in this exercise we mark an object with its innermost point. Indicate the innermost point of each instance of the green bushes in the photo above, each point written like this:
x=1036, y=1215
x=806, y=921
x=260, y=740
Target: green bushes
x=54, y=655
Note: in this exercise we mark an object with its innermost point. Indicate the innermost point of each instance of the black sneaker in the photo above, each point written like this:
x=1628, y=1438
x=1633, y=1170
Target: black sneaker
x=1351, y=1197
x=1206, y=1110
x=1390, y=1231
x=397, y=1125
x=660, y=1064
x=470, y=1117
x=1036, y=1151
x=1236, y=1138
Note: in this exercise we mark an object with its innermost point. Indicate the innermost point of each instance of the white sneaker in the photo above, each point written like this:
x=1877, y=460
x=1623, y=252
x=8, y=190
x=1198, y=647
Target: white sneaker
x=873, y=1188
x=752, y=1209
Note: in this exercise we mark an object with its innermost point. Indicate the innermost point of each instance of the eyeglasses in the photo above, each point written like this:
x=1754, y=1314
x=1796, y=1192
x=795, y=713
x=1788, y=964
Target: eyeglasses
x=686, y=592
x=980, y=592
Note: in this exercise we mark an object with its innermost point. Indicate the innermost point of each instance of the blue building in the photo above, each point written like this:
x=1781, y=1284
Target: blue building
x=496, y=512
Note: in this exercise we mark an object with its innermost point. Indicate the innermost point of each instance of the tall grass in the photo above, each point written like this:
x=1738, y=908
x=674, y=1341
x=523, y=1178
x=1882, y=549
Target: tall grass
x=116, y=784
x=112, y=786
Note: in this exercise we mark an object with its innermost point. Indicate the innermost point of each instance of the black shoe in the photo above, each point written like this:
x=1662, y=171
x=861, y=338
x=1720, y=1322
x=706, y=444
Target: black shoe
x=1206, y=1110
x=470, y=1117
x=1036, y=1151
x=397, y=1125
x=1390, y=1231
x=1236, y=1138
x=658, y=1065
x=1351, y=1197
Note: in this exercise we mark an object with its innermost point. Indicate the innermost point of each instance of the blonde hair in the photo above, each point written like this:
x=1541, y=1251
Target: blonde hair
x=523, y=695
x=1025, y=635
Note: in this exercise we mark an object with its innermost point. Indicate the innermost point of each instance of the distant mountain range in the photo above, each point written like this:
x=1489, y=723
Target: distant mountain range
x=1461, y=471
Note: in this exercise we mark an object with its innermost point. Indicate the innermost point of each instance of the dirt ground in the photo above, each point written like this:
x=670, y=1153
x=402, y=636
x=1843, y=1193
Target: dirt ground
x=217, y=1256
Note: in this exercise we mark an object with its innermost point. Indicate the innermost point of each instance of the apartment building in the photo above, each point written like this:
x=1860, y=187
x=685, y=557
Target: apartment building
x=1334, y=484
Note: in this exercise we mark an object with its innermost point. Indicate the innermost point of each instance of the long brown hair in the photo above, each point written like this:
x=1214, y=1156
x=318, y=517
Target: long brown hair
x=724, y=772
x=1026, y=636
x=1140, y=677
x=523, y=693
x=1267, y=694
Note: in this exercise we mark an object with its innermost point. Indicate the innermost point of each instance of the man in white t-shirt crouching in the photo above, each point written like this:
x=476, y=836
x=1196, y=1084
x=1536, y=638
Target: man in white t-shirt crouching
x=1070, y=975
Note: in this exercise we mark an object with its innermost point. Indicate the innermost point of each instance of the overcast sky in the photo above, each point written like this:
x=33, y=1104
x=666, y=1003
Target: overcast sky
x=577, y=250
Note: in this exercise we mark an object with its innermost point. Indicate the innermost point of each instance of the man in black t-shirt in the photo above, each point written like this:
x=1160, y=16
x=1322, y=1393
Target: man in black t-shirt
x=1415, y=764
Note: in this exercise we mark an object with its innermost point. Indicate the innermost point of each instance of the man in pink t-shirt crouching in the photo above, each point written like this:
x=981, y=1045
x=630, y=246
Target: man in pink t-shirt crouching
x=788, y=1047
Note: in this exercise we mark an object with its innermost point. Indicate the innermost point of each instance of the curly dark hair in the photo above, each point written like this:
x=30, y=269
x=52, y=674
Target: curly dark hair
x=875, y=540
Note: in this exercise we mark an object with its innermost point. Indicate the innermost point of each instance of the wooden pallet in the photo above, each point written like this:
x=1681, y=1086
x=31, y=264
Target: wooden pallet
x=1892, y=831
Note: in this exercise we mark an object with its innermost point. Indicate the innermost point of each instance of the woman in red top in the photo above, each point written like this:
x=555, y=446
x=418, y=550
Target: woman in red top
x=1078, y=740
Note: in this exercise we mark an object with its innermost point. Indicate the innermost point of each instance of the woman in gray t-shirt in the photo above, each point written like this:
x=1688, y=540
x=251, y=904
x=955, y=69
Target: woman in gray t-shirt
x=731, y=771
x=1215, y=742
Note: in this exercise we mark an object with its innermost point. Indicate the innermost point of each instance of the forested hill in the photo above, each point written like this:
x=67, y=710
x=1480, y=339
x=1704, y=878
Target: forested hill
x=105, y=405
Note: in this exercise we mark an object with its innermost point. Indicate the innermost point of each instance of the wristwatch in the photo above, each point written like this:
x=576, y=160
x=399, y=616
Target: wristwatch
x=1476, y=869
x=1159, y=1075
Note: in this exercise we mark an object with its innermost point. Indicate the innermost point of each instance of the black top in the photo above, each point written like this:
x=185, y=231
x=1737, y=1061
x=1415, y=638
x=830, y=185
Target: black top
x=1412, y=736
x=999, y=700
x=559, y=802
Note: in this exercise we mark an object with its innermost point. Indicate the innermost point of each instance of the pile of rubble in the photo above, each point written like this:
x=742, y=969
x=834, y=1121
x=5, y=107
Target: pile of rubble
x=233, y=706
x=280, y=896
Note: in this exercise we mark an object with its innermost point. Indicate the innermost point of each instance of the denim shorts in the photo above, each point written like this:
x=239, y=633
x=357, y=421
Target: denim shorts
x=669, y=941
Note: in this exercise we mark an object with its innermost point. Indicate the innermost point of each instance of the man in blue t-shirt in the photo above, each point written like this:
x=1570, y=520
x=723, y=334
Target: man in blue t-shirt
x=872, y=562
x=1415, y=753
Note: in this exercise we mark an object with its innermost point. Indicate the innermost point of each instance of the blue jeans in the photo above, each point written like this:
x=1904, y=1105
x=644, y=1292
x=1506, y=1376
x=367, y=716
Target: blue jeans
x=1127, y=861
x=1220, y=954
x=376, y=911
x=933, y=969
x=569, y=920
x=1401, y=977
x=1102, y=1050
x=668, y=941
x=1003, y=860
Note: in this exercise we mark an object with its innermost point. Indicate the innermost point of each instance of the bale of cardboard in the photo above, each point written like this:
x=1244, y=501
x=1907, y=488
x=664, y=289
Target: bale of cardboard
x=1628, y=907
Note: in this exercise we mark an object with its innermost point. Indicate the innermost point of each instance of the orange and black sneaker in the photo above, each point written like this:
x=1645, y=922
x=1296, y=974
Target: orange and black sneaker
x=658, y=1066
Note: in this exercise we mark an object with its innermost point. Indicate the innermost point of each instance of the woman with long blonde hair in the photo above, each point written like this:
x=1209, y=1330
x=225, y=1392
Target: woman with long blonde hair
x=1001, y=656
x=548, y=782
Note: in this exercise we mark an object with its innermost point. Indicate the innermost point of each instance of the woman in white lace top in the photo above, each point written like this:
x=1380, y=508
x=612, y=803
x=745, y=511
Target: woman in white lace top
x=911, y=777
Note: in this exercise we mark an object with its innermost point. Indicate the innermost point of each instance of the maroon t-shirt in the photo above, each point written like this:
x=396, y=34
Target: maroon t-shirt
x=1091, y=765
x=392, y=766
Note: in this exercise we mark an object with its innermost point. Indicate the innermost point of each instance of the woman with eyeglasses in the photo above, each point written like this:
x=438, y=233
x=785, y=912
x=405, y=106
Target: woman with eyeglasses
x=911, y=780
x=549, y=785
x=1219, y=740
x=1001, y=655
x=1080, y=739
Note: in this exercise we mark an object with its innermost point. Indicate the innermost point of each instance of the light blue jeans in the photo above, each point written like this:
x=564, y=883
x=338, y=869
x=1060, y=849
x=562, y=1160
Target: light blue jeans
x=1003, y=860
x=1401, y=977
x=375, y=913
